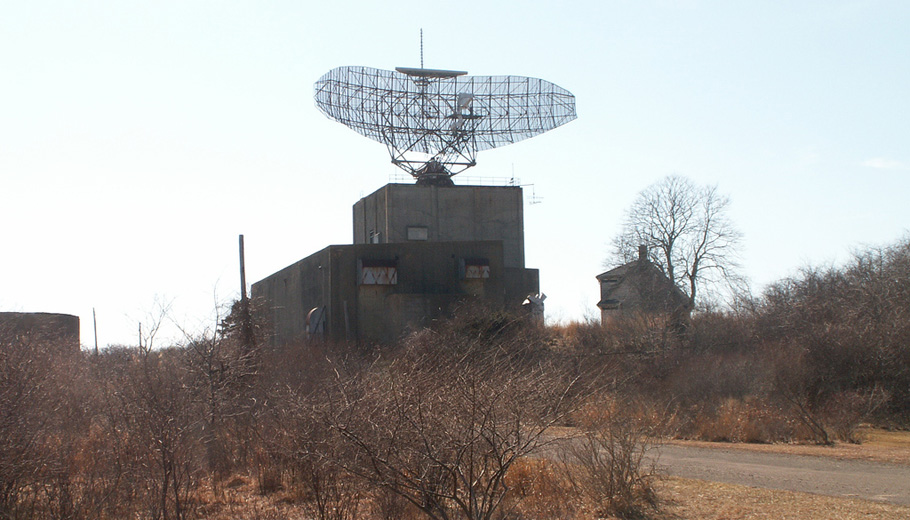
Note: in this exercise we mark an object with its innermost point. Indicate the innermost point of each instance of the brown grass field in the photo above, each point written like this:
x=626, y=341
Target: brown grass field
x=700, y=500
x=680, y=499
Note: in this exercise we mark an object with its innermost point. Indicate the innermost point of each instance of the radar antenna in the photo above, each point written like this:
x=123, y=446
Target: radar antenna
x=433, y=121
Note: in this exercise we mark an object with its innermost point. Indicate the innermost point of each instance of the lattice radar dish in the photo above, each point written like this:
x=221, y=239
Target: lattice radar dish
x=434, y=122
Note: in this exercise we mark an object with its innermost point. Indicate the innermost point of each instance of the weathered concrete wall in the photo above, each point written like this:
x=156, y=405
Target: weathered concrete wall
x=58, y=331
x=520, y=283
x=429, y=281
x=293, y=291
x=430, y=277
x=449, y=213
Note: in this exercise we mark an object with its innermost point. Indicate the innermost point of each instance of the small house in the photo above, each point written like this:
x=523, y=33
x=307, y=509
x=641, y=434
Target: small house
x=639, y=287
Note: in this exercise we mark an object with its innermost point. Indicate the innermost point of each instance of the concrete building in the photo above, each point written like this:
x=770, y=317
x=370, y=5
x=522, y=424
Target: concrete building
x=639, y=287
x=417, y=251
x=401, y=213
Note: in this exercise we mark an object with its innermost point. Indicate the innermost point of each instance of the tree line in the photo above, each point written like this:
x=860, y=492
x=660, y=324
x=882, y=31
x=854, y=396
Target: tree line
x=814, y=357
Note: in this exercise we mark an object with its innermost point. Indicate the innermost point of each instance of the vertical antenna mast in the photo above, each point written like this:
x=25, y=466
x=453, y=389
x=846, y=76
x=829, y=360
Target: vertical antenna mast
x=421, y=47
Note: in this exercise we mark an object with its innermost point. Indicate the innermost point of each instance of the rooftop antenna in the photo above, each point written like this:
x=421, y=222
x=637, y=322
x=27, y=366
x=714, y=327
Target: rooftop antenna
x=433, y=122
x=534, y=200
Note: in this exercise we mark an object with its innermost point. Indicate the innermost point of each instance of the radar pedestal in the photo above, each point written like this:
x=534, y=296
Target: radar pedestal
x=434, y=174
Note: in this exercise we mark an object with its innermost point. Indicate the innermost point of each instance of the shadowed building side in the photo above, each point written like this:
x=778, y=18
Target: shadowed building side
x=378, y=292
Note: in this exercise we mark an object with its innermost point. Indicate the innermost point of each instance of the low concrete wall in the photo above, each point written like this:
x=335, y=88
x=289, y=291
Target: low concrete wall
x=58, y=331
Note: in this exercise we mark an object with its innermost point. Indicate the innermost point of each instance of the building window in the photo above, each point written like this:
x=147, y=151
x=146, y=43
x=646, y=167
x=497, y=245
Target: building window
x=417, y=233
x=474, y=268
x=378, y=272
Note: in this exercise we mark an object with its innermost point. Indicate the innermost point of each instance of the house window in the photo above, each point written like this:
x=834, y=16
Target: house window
x=378, y=272
x=607, y=284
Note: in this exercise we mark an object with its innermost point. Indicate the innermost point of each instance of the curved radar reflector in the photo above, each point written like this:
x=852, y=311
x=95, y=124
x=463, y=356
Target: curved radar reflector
x=434, y=122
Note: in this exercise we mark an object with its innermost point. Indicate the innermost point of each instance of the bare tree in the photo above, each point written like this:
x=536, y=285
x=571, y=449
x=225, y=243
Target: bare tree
x=154, y=405
x=611, y=463
x=688, y=233
x=441, y=425
x=223, y=367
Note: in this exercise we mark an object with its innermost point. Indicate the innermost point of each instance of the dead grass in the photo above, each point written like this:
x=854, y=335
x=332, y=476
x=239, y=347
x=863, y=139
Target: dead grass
x=541, y=495
x=680, y=499
x=888, y=439
x=685, y=499
x=879, y=446
x=538, y=491
x=240, y=499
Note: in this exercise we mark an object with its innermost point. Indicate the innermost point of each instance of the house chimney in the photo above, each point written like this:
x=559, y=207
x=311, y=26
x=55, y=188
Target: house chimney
x=642, y=253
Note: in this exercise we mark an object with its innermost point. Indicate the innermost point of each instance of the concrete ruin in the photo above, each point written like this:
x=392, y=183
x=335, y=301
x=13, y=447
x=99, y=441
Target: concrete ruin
x=60, y=332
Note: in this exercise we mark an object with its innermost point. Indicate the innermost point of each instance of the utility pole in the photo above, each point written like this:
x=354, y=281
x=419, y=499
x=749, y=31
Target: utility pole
x=247, y=337
x=242, y=274
x=95, y=327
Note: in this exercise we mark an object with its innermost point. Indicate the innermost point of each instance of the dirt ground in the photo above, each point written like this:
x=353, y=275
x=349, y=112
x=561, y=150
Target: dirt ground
x=822, y=475
x=787, y=482
x=685, y=499
x=719, y=481
x=877, y=470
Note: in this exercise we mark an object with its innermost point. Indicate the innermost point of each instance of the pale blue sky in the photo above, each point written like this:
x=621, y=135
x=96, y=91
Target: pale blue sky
x=138, y=139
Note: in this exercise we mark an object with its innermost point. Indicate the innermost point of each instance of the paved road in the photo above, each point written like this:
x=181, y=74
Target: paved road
x=820, y=475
